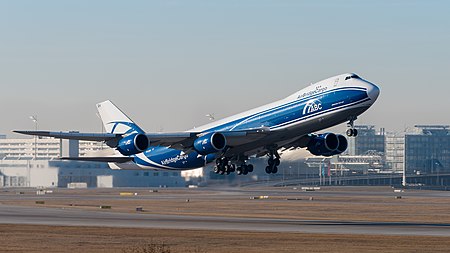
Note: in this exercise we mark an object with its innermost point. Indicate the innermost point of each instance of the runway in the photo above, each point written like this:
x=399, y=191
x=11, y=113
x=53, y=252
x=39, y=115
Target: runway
x=73, y=217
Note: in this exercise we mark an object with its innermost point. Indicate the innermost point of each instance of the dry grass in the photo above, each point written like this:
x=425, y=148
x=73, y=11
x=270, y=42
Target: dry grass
x=28, y=238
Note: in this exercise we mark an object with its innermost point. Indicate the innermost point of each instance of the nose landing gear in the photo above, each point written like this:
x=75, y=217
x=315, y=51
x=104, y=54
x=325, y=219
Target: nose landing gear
x=352, y=132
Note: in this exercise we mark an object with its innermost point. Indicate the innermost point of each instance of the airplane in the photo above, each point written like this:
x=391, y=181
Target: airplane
x=289, y=123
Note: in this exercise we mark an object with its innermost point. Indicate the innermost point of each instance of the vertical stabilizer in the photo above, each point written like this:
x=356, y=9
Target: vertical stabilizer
x=115, y=121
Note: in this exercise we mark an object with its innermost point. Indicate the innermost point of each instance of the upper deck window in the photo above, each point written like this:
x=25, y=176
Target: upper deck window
x=352, y=76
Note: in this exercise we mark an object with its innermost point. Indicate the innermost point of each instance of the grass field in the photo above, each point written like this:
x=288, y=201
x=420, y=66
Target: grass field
x=25, y=238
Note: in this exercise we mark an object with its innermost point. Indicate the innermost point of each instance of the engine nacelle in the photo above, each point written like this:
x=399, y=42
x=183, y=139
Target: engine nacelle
x=210, y=143
x=132, y=144
x=324, y=144
x=343, y=144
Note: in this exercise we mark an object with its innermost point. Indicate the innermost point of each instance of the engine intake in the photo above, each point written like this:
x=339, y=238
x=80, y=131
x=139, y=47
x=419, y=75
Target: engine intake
x=210, y=143
x=343, y=144
x=133, y=144
x=324, y=144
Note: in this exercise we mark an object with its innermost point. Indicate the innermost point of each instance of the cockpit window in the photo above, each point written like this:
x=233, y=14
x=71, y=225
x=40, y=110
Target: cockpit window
x=352, y=76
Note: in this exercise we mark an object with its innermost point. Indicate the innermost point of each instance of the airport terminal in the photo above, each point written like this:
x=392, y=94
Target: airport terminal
x=374, y=157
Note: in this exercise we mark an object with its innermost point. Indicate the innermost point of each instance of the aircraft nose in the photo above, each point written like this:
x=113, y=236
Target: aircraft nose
x=373, y=91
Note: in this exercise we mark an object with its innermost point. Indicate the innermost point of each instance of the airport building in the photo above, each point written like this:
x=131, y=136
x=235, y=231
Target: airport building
x=428, y=150
x=45, y=148
x=423, y=152
x=368, y=140
x=34, y=163
x=422, y=149
x=395, y=152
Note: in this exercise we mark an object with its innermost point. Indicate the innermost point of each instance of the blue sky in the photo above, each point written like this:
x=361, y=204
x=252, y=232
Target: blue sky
x=168, y=63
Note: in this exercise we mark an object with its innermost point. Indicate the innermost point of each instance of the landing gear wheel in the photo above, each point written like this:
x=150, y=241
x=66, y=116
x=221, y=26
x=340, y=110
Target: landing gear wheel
x=223, y=166
x=273, y=162
x=231, y=168
x=250, y=168
x=270, y=161
x=239, y=170
x=275, y=170
x=349, y=132
x=277, y=162
x=352, y=132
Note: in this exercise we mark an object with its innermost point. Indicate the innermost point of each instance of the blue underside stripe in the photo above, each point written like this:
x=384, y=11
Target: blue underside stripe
x=145, y=163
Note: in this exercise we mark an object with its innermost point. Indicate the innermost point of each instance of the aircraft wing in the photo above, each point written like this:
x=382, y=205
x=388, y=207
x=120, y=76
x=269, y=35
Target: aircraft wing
x=186, y=139
x=154, y=138
x=176, y=140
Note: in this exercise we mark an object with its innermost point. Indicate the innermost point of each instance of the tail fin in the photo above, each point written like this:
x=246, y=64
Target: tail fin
x=115, y=121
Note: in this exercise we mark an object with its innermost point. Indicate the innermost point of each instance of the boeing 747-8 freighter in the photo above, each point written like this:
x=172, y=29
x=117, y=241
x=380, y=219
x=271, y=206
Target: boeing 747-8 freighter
x=285, y=124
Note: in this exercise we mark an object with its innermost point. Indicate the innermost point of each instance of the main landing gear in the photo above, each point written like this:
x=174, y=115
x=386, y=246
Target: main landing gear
x=351, y=132
x=273, y=162
x=244, y=169
x=224, y=166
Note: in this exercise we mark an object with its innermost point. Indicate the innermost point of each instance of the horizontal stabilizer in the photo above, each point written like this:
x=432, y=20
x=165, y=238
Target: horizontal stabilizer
x=112, y=159
x=72, y=135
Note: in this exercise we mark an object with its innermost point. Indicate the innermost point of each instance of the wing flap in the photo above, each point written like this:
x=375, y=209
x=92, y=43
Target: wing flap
x=171, y=139
x=237, y=138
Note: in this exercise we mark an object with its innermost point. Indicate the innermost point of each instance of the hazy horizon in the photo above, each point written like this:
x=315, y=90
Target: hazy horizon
x=169, y=63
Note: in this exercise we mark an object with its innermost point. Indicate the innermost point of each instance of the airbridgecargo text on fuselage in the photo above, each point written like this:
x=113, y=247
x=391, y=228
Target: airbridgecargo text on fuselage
x=318, y=89
x=174, y=159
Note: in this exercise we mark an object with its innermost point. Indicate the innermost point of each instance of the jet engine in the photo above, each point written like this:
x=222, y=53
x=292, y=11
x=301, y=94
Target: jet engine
x=210, y=143
x=132, y=144
x=327, y=144
x=343, y=144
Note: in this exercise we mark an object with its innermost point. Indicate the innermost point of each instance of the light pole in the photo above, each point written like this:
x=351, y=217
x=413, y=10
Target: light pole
x=35, y=120
x=404, y=162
